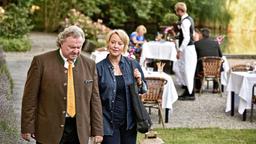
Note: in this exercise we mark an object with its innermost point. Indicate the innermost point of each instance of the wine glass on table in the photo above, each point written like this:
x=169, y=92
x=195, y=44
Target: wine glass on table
x=248, y=66
x=254, y=66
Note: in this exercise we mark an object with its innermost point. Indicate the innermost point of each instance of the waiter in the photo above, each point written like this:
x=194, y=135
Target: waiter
x=186, y=52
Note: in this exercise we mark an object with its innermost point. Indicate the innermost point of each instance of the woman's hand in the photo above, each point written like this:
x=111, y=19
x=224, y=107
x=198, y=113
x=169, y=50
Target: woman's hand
x=137, y=76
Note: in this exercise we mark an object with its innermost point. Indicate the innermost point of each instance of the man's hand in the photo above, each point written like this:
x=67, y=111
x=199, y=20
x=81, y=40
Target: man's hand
x=98, y=139
x=27, y=136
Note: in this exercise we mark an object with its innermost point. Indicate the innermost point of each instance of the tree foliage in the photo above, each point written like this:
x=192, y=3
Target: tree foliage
x=130, y=13
x=212, y=13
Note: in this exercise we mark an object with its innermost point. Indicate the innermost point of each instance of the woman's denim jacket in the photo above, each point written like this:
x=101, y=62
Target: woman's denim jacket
x=107, y=89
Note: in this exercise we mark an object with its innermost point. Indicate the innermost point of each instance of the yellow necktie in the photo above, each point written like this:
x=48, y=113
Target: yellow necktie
x=71, y=106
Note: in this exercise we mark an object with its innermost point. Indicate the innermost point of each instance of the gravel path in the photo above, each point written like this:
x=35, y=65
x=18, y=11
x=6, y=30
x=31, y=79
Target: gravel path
x=206, y=111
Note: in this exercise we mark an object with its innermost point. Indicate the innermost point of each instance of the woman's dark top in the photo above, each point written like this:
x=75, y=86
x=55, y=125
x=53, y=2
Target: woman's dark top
x=120, y=102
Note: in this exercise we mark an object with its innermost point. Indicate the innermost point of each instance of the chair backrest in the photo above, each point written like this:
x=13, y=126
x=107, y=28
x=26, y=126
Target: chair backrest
x=155, y=88
x=211, y=66
x=242, y=67
x=254, y=93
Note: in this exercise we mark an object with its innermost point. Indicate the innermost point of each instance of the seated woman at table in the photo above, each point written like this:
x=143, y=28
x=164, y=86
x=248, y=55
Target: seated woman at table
x=136, y=40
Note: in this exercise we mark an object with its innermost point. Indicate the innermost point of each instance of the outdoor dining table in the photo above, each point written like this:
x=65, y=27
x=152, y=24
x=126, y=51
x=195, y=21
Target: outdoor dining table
x=224, y=73
x=170, y=94
x=161, y=50
x=240, y=86
x=97, y=56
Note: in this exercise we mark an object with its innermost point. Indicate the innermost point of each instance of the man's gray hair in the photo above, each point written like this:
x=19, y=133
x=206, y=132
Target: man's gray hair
x=71, y=31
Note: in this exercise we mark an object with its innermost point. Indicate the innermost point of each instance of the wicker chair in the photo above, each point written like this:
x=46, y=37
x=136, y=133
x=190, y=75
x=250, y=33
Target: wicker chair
x=153, y=97
x=211, y=71
x=253, y=99
x=242, y=67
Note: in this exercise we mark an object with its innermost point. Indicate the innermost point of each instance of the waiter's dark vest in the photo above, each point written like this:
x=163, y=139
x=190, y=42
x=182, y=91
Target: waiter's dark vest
x=191, y=31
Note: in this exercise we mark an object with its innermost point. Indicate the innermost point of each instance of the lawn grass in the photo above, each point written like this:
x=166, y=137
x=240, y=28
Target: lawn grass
x=205, y=136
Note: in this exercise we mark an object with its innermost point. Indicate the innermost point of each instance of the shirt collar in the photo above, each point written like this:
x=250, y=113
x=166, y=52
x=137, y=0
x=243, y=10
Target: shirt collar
x=66, y=60
x=62, y=56
x=184, y=16
x=122, y=60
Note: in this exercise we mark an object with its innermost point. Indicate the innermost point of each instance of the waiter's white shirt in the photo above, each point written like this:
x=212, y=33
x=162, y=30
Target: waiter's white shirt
x=189, y=56
x=185, y=25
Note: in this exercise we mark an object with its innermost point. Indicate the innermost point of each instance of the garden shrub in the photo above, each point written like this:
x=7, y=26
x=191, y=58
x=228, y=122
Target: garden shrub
x=169, y=19
x=95, y=32
x=15, y=44
x=15, y=22
x=14, y=26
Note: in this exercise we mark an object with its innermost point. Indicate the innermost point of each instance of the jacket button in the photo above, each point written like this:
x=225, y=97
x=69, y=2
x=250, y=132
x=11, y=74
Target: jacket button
x=64, y=98
x=65, y=71
x=64, y=112
x=65, y=84
x=61, y=126
x=112, y=101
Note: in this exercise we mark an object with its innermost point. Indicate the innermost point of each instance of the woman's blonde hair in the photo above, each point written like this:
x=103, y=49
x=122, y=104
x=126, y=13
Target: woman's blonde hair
x=141, y=28
x=123, y=36
x=181, y=6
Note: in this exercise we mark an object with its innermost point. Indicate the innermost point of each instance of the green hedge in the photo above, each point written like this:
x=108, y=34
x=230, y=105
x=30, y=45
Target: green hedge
x=15, y=44
x=15, y=22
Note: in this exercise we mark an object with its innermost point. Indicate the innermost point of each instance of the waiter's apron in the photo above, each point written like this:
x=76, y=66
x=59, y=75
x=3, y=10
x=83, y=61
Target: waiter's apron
x=189, y=60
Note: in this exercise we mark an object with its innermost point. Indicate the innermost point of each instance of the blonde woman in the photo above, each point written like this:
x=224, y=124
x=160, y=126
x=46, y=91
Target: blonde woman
x=114, y=76
x=137, y=39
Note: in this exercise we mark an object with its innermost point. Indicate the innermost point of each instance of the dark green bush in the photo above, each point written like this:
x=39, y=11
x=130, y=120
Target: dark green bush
x=15, y=44
x=169, y=18
x=15, y=22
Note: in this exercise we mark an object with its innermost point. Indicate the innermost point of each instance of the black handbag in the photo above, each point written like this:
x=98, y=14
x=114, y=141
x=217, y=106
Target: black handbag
x=142, y=117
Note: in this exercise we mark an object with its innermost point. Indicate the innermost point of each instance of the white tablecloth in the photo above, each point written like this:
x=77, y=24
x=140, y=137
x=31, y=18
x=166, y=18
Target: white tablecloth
x=163, y=50
x=224, y=73
x=241, y=84
x=169, y=93
x=97, y=56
